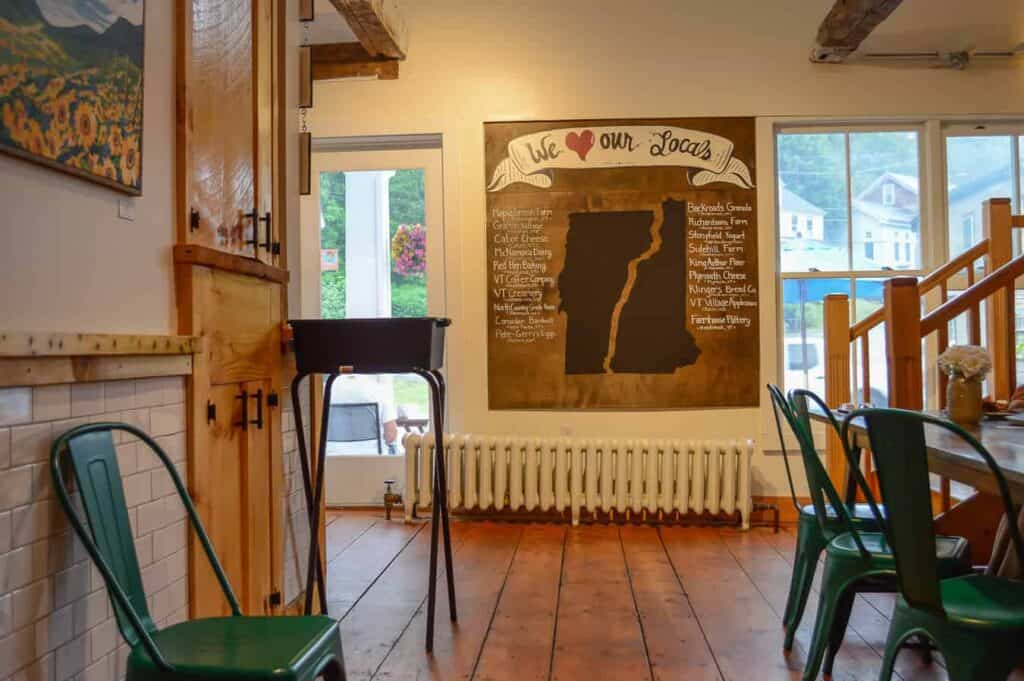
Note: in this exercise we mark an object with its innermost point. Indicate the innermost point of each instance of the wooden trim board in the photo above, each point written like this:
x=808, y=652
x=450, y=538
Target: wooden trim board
x=46, y=344
x=228, y=262
x=30, y=371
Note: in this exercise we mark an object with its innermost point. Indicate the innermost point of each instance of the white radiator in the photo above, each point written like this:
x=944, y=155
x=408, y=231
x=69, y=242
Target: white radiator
x=493, y=474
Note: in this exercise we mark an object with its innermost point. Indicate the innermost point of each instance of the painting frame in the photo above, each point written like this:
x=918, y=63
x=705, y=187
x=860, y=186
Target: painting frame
x=133, y=189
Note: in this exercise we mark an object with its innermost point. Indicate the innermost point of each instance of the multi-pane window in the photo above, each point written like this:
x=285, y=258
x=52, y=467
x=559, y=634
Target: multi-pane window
x=982, y=163
x=863, y=188
x=978, y=167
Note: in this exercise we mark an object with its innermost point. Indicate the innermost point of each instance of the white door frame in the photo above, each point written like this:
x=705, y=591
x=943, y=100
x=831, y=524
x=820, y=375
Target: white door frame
x=356, y=480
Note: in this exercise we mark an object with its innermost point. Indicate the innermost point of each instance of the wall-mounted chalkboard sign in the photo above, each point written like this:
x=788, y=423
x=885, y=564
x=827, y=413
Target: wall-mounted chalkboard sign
x=622, y=264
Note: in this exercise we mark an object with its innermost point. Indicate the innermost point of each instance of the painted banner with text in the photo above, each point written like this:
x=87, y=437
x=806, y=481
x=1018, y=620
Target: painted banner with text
x=622, y=264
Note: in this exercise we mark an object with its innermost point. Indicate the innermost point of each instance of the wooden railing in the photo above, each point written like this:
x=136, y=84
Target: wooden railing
x=905, y=326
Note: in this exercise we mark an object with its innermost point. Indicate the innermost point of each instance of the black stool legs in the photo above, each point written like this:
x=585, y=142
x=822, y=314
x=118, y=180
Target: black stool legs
x=439, y=508
x=314, y=489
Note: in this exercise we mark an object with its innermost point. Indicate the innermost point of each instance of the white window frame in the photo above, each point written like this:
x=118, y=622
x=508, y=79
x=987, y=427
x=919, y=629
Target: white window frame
x=1014, y=129
x=925, y=180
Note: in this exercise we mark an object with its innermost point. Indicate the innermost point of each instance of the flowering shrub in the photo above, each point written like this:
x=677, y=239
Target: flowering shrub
x=968, y=361
x=409, y=250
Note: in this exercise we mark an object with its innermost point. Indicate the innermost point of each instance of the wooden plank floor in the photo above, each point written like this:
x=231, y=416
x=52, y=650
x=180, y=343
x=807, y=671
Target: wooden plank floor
x=555, y=603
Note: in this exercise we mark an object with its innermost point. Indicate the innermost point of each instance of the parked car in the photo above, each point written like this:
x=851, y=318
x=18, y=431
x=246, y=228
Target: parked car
x=804, y=365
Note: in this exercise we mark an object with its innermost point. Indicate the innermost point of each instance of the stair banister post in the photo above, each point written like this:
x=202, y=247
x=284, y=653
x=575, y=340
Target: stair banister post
x=836, y=315
x=903, y=342
x=999, y=307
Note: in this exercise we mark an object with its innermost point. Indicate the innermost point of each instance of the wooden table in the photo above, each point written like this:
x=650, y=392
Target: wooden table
x=977, y=516
x=951, y=457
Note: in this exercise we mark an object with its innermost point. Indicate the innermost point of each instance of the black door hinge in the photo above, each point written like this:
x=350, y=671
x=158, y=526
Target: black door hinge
x=274, y=599
x=275, y=248
x=193, y=220
x=272, y=400
x=211, y=411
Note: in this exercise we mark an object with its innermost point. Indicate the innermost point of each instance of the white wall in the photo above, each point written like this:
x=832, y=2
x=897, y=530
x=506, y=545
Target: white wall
x=471, y=62
x=67, y=262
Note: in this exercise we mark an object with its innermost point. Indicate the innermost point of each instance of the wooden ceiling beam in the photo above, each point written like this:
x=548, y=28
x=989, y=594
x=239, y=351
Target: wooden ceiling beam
x=846, y=26
x=376, y=24
x=350, y=60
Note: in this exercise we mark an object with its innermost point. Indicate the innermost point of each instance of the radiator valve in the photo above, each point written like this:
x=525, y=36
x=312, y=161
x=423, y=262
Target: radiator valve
x=391, y=498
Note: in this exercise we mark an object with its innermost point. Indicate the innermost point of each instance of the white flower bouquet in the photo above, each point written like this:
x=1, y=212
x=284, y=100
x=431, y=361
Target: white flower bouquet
x=970, y=362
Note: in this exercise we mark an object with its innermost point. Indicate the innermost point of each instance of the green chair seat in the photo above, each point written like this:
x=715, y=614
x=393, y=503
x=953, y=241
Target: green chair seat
x=984, y=602
x=250, y=647
x=214, y=649
x=859, y=513
x=949, y=550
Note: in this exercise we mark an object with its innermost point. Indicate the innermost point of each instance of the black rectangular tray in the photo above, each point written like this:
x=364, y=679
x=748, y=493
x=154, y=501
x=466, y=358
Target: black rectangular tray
x=369, y=346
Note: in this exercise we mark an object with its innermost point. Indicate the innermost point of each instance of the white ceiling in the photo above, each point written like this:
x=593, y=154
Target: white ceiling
x=916, y=25
x=948, y=25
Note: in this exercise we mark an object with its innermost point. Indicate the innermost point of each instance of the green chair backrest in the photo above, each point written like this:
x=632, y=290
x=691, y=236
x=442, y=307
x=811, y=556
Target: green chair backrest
x=897, y=439
x=93, y=459
x=823, y=493
x=776, y=394
x=799, y=398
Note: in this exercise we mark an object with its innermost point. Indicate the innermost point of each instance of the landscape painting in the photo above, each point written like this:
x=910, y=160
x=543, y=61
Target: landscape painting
x=71, y=86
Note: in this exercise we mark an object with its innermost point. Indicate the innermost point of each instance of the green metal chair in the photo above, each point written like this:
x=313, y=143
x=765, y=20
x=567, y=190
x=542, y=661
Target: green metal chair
x=813, y=534
x=977, y=621
x=857, y=560
x=236, y=647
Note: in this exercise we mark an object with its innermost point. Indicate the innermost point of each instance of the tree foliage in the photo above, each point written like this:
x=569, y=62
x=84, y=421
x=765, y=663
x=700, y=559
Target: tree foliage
x=408, y=206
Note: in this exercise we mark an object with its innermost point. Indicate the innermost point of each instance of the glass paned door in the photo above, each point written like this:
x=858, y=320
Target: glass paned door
x=376, y=218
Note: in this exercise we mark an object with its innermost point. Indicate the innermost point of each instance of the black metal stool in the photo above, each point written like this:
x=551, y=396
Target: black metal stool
x=372, y=346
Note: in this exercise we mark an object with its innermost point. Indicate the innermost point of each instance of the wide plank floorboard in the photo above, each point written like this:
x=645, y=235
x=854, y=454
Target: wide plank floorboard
x=675, y=641
x=550, y=602
x=375, y=623
x=481, y=567
x=519, y=642
x=353, y=570
x=598, y=634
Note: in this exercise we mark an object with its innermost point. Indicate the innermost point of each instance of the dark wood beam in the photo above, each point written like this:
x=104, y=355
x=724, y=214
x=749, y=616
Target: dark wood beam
x=846, y=26
x=350, y=60
x=376, y=24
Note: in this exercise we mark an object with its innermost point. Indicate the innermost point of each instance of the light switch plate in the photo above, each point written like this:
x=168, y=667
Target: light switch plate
x=126, y=209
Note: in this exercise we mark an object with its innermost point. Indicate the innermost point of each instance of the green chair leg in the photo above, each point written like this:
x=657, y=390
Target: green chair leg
x=970, y=654
x=810, y=544
x=837, y=579
x=838, y=632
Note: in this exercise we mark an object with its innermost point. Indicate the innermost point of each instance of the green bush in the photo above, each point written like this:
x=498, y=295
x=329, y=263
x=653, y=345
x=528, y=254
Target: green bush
x=332, y=295
x=409, y=297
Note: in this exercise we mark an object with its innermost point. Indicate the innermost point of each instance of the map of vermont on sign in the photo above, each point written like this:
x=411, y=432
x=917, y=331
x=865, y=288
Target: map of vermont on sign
x=622, y=264
x=632, y=318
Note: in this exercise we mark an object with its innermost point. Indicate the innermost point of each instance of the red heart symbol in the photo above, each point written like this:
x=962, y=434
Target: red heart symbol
x=580, y=143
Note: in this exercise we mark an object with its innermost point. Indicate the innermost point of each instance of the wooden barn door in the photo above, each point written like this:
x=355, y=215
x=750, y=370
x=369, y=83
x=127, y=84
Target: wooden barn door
x=226, y=116
x=230, y=292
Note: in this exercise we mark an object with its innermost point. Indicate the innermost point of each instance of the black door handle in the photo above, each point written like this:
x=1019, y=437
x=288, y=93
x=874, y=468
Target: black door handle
x=268, y=243
x=255, y=240
x=258, y=421
x=244, y=423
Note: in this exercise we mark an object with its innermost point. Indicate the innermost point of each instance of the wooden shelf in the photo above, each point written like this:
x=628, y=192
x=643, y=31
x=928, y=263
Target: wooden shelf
x=219, y=260
x=29, y=358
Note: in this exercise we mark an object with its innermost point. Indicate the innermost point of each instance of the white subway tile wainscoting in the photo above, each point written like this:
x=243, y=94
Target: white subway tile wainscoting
x=56, y=622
